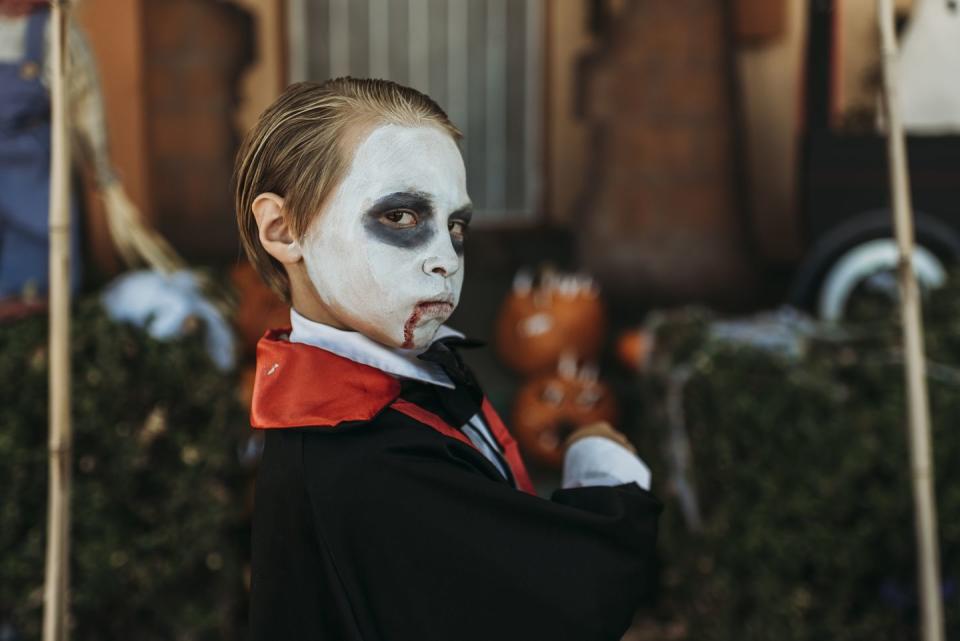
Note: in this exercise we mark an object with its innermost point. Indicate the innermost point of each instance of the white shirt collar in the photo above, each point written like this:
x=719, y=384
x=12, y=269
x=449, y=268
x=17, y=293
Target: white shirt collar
x=356, y=347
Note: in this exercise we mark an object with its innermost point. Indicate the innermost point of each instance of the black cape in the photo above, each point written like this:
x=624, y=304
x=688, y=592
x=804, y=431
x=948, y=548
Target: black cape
x=384, y=529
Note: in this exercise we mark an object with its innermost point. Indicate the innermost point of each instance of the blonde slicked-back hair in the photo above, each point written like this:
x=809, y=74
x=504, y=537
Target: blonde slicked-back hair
x=299, y=150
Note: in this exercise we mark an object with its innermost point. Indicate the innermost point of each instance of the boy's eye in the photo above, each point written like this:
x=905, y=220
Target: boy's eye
x=458, y=228
x=400, y=219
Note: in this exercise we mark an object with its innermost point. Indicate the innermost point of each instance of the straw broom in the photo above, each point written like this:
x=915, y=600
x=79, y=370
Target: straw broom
x=925, y=516
x=136, y=241
x=57, y=581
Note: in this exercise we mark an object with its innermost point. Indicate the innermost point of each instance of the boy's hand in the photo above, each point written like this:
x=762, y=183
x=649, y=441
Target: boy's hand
x=602, y=429
x=608, y=460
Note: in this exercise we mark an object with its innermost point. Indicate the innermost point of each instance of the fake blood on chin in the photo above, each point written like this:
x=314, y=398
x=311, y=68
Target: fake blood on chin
x=426, y=309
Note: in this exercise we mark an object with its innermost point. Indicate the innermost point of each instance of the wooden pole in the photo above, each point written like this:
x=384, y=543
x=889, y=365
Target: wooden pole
x=56, y=586
x=921, y=465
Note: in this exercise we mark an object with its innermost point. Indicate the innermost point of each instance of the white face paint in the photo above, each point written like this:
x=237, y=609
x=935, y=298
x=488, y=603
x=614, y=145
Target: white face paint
x=386, y=254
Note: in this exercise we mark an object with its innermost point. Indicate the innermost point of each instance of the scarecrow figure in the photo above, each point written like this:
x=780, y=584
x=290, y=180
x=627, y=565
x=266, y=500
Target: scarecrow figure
x=25, y=139
x=25, y=148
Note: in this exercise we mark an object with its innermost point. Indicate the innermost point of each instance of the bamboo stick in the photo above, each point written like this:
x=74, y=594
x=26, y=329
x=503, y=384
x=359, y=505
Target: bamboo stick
x=56, y=587
x=925, y=516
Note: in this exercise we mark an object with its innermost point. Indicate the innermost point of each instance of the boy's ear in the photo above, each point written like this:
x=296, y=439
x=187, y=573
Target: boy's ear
x=275, y=234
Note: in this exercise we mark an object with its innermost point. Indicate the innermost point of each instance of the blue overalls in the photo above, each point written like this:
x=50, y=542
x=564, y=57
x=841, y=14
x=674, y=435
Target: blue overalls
x=25, y=172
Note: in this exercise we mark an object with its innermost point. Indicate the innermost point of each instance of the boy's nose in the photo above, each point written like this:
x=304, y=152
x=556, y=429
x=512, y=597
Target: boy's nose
x=442, y=265
x=442, y=257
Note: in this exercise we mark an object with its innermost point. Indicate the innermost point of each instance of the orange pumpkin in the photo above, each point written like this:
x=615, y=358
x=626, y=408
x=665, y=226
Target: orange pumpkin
x=550, y=407
x=541, y=320
x=635, y=349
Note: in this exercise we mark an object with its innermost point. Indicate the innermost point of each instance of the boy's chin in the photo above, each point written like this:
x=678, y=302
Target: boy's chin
x=416, y=337
x=421, y=336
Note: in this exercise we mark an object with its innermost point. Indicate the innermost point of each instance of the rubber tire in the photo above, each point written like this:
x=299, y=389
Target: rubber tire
x=940, y=239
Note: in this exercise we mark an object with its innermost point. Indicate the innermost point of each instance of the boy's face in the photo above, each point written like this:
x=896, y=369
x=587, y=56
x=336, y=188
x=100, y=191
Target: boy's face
x=386, y=254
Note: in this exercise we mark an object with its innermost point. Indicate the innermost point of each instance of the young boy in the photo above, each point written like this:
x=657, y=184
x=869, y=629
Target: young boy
x=392, y=503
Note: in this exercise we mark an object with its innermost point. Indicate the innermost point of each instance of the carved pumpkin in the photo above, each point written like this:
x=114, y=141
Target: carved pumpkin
x=635, y=349
x=550, y=407
x=540, y=321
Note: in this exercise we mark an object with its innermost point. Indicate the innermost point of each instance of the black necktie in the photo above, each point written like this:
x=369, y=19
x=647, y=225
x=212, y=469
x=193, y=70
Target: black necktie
x=456, y=406
x=466, y=399
x=444, y=353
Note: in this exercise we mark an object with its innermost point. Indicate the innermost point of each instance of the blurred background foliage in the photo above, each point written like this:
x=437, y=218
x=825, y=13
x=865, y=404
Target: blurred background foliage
x=159, y=495
x=798, y=459
x=801, y=472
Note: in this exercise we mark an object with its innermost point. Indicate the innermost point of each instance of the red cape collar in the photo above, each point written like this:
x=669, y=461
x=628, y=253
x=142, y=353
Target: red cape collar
x=298, y=385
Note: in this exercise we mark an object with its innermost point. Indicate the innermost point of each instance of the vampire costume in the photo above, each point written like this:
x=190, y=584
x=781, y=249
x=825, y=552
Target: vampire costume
x=392, y=505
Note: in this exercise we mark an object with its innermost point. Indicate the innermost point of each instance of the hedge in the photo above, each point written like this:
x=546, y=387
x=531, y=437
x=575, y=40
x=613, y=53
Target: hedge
x=799, y=462
x=801, y=470
x=158, y=531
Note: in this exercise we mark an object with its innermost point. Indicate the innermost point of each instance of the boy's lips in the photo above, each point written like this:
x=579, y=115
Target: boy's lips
x=434, y=307
x=441, y=307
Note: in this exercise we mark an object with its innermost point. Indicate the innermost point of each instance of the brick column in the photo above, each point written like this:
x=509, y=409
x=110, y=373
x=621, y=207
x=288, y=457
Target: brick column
x=660, y=218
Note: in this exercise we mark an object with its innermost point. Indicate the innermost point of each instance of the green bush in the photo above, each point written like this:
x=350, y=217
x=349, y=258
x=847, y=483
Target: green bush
x=157, y=533
x=800, y=466
x=802, y=473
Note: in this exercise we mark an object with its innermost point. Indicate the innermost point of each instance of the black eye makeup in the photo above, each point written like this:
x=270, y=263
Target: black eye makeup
x=402, y=219
x=397, y=219
x=458, y=224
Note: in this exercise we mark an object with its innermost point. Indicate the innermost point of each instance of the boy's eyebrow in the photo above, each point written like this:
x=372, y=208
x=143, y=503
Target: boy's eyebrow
x=415, y=200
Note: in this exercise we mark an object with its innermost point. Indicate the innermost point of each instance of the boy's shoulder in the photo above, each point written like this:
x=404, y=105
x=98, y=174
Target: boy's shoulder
x=390, y=435
x=343, y=420
x=344, y=467
x=298, y=385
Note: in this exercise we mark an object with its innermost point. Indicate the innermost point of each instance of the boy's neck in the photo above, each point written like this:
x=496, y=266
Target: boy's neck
x=304, y=299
